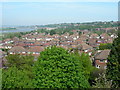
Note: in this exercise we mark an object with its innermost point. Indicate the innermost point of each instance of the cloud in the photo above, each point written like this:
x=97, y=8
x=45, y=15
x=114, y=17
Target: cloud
x=60, y=0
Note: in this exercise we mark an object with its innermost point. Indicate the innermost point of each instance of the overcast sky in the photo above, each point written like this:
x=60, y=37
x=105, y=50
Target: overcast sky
x=57, y=11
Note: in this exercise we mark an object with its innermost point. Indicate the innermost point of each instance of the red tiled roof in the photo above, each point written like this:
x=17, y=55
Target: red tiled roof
x=36, y=49
x=103, y=54
x=17, y=49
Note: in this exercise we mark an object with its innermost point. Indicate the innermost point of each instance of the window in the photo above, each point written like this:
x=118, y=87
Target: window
x=97, y=66
x=37, y=53
x=28, y=52
x=11, y=52
x=33, y=52
x=86, y=50
x=90, y=53
x=101, y=60
x=105, y=61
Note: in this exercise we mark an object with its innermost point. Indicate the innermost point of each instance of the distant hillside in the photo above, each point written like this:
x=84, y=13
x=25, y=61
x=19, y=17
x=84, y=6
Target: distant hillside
x=7, y=29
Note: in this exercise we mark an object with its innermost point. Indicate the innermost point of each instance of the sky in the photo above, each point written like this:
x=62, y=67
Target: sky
x=59, y=0
x=57, y=11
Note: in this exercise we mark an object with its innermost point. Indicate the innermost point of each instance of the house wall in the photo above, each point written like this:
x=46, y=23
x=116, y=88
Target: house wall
x=101, y=65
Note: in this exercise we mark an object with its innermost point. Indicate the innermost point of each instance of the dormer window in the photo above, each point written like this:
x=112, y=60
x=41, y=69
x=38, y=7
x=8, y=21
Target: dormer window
x=101, y=60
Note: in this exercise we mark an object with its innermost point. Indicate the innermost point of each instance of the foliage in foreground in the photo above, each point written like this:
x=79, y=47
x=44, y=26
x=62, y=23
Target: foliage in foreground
x=0, y=78
x=102, y=82
x=56, y=68
x=22, y=62
x=113, y=66
x=19, y=72
x=15, y=78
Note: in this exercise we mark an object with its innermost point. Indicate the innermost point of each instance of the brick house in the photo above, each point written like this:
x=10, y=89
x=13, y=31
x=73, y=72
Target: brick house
x=100, y=59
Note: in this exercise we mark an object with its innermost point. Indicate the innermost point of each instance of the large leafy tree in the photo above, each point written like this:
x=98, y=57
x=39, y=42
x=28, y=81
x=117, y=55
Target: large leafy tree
x=15, y=78
x=52, y=32
x=88, y=68
x=22, y=62
x=56, y=68
x=113, y=66
x=87, y=64
x=18, y=73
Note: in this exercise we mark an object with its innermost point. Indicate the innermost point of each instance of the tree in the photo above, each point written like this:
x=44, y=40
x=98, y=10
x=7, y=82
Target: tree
x=102, y=82
x=88, y=68
x=20, y=61
x=87, y=64
x=105, y=46
x=71, y=33
x=19, y=72
x=56, y=68
x=15, y=78
x=52, y=32
x=0, y=78
x=113, y=66
x=79, y=33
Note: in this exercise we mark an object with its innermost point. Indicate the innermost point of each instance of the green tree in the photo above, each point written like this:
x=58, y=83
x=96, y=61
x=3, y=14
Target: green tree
x=102, y=82
x=15, y=78
x=113, y=66
x=105, y=46
x=88, y=68
x=20, y=61
x=79, y=33
x=56, y=68
x=52, y=32
x=0, y=78
x=19, y=72
x=87, y=64
x=71, y=33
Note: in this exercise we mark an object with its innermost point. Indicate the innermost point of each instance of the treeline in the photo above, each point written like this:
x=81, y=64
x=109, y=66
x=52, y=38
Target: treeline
x=113, y=66
x=14, y=34
x=7, y=28
x=68, y=27
x=88, y=24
